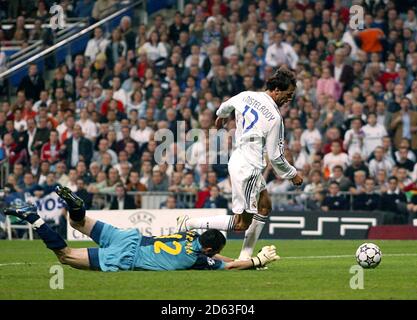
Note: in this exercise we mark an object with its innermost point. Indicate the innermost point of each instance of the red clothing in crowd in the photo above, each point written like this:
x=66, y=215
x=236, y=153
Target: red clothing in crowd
x=142, y=66
x=28, y=114
x=47, y=154
x=11, y=153
x=223, y=8
x=105, y=107
x=327, y=147
x=386, y=77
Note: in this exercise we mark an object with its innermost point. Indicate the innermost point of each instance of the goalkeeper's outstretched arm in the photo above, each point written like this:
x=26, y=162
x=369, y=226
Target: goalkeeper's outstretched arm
x=267, y=255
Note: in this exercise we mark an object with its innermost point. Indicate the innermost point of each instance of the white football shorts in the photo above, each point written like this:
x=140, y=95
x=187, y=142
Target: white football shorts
x=247, y=184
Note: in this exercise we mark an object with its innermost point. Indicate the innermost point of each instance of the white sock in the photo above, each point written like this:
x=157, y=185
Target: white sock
x=221, y=222
x=252, y=236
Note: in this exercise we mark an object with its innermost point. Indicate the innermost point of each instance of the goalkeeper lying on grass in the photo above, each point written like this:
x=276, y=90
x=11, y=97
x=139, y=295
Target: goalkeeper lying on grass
x=130, y=250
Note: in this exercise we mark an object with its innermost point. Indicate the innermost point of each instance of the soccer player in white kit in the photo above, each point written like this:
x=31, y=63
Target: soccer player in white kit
x=259, y=127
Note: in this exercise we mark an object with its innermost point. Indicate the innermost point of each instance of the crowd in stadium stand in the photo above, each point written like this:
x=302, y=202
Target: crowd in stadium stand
x=351, y=127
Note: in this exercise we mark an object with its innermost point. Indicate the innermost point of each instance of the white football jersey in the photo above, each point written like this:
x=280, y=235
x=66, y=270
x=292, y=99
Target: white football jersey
x=259, y=127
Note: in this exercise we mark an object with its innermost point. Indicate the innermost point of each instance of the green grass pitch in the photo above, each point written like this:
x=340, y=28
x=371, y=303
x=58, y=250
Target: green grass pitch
x=316, y=269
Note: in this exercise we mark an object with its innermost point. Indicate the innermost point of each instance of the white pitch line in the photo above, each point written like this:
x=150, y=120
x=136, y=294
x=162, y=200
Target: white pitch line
x=15, y=264
x=351, y=255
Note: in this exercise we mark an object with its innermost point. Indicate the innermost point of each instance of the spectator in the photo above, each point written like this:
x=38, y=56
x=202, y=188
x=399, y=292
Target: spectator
x=155, y=51
x=368, y=199
x=404, y=179
x=146, y=173
x=334, y=201
x=310, y=136
x=359, y=180
x=338, y=176
x=412, y=209
x=103, y=148
x=216, y=200
x=222, y=84
x=77, y=148
x=373, y=134
x=116, y=48
x=175, y=182
x=60, y=173
x=125, y=138
x=128, y=34
x=394, y=201
x=134, y=184
x=65, y=129
x=404, y=161
x=122, y=201
x=177, y=27
x=112, y=182
x=371, y=40
x=157, y=183
x=335, y=157
x=102, y=8
x=50, y=151
x=330, y=116
x=342, y=72
x=328, y=86
x=99, y=184
x=404, y=124
x=32, y=84
x=10, y=149
x=379, y=162
x=188, y=185
x=20, y=124
x=356, y=165
x=124, y=172
x=299, y=157
x=143, y=133
x=170, y=203
x=279, y=53
x=354, y=137
x=278, y=185
x=84, y=194
x=94, y=169
x=49, y=184
x=88, y=126
x=72, y=180
x=83, y=173
x=315, y=185
x=404, y=144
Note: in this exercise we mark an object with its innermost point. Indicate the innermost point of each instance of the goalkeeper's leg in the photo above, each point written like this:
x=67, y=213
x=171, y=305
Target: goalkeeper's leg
x=77, y=258
x=76, y=210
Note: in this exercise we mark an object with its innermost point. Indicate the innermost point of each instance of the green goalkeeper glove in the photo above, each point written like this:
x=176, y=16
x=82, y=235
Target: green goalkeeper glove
x=267, y=255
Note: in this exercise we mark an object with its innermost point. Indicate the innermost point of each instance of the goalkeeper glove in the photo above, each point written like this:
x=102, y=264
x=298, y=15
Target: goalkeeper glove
x=267, y=255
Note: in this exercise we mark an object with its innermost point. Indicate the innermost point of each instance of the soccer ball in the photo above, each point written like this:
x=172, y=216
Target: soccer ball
x=368, y=255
